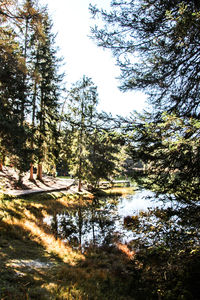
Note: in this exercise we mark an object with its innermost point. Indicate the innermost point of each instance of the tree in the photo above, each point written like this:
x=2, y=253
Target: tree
x=30, y=86
x=29, y=23
x=156, y=45
x=20, y=22
x=105, y=156
x=170, y=150
x=46, y=103
x=83, y=97
x=12, y=132
x=91, y=147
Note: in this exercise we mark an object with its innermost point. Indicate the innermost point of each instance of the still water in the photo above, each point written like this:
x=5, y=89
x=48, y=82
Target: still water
x=141, y=200
x=100, y=222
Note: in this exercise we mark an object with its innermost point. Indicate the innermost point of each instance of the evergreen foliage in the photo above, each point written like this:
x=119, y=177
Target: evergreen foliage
x=13, y=130
x=47, y=102
x=156, y=45
x=30, y=85
x=170, y=151
x=93, y=148
x=83, y=98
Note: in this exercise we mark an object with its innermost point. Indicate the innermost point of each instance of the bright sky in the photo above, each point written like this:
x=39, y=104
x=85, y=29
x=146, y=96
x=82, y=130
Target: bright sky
x=72, y=22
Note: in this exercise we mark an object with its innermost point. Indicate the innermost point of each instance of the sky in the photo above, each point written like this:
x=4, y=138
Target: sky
x=72, y=22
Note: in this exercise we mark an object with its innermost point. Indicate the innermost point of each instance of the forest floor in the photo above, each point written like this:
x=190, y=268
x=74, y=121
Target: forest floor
x=9, y=183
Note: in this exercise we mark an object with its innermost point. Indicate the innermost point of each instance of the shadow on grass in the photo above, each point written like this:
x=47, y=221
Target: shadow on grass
x=27, y=251
x=34, y=264
x=23, y=264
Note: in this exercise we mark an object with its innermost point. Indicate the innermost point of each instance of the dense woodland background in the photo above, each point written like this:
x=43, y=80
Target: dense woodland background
x=43, y=125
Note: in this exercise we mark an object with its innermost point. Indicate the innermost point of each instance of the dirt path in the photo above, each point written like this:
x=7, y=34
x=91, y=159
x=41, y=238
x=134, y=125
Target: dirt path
x=65, y=185
x=9, y=183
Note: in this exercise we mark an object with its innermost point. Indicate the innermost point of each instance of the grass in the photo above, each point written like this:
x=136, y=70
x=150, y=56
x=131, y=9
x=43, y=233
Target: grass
x=116, y=191
x=35, y=264
x=65, y=177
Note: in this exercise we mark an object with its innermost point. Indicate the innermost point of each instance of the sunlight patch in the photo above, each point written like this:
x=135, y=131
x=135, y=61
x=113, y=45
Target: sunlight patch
x=29, y=263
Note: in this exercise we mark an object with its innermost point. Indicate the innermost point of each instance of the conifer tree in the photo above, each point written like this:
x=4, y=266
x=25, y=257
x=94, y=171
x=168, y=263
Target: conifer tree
x=93, y=150
x=83, y=98
x=156, y=45
x=46, y=102
x=21, y=22
x=104, y=159
x=11, y=88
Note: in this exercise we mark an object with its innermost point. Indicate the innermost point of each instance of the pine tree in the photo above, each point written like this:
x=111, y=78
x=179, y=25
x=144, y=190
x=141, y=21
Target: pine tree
x=156, y=45
x=30, y=86
x=11, y=88
x=21, y=22
x=92, y=149
x=46, y=102
x=104, y=159
x=83, y=97
x=170, y=151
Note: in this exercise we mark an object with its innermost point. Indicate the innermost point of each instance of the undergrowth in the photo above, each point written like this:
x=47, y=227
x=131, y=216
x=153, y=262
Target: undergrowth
x=36, y=264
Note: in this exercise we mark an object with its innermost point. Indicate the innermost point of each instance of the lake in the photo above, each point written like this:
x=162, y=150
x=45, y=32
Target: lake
x=101, y=222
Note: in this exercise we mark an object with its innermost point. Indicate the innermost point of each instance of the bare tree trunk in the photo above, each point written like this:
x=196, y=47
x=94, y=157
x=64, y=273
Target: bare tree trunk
x=80, y=225
x=33, y=127
x=24, y=76
x=31, y=172
x=2, y=160
x=80, y=149
x=39, y=171
x=20, y=177
x=93, y=230
x=79, y=185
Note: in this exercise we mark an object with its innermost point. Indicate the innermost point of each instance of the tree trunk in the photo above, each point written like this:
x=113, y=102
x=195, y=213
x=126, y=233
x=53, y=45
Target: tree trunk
x=79, y=185
x=24, y=76
x=93, y=229
x=1, y=165
x=31, y=173
x=20, y=177
x=33, y=119
x=80, y=225
x=39, y=171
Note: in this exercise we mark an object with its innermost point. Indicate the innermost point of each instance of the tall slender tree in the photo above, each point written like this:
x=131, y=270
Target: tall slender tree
x=46, y=102
x=83, y=98
x=94, y=149
x=21, y=21
x=30, y=84
x=11, y=88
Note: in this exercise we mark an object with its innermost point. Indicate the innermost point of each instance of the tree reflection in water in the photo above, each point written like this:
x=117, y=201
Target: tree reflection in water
x=82, y=226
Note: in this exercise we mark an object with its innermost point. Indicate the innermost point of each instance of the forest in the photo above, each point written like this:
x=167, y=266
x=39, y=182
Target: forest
x=47, y=129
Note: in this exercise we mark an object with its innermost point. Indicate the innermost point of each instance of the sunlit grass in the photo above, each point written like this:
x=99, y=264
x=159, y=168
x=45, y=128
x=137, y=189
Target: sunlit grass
x=25, y=237
x=116, y=191
x=28, y=216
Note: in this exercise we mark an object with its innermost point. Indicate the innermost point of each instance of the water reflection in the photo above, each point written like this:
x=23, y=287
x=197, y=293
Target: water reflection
x=100, y=222
x=140, y=201
x=82, y=226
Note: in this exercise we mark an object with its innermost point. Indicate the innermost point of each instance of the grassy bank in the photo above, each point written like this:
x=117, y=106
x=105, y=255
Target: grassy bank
x=116, y=191
x=35, y=264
